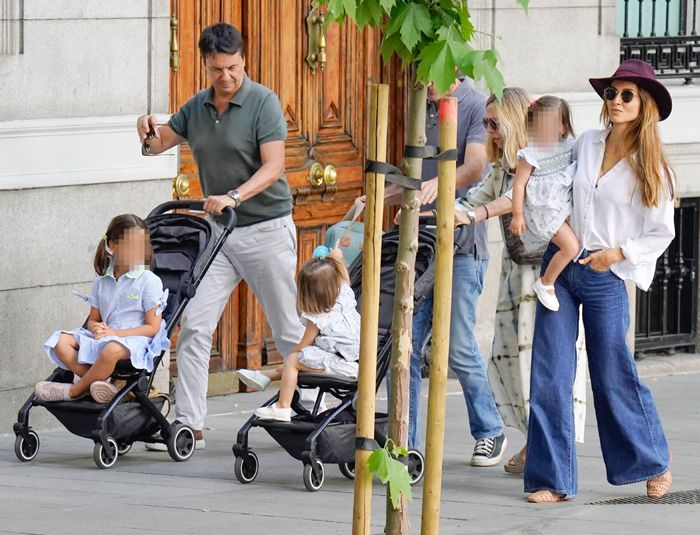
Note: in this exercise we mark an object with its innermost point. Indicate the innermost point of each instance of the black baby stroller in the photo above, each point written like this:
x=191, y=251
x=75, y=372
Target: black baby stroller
x=183, y=250
x=329, y=437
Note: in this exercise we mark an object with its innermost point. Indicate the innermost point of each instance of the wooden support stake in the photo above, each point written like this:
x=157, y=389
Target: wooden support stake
x=435, y=433
x=371, y=263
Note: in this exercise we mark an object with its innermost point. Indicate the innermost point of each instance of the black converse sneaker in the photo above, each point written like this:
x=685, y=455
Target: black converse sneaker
x=489, y=451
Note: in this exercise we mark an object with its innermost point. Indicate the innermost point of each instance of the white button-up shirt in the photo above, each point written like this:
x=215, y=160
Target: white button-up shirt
x=608, y=212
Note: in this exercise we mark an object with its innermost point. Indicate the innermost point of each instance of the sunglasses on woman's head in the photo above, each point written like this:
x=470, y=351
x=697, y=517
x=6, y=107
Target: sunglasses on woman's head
x=626, y=94
x=490, y=123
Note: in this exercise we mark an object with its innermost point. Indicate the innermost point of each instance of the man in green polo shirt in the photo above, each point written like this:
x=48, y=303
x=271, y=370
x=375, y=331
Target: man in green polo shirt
x=236, y=131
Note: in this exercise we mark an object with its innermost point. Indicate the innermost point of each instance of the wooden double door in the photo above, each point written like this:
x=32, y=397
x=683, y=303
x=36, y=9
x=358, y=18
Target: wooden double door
x=326, y=115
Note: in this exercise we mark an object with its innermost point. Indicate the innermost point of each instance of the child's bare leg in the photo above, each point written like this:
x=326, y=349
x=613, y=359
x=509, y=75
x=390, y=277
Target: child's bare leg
x=567, y=242
x=290, y=374
x=274, y=375
x=67, y=352
x=112, y=353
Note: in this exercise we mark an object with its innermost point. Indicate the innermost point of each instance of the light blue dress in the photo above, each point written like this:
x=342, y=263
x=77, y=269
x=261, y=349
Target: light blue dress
x=122, y=304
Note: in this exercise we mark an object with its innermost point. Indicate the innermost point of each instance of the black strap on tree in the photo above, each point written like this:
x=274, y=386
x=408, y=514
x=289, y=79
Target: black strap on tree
x=394, y=175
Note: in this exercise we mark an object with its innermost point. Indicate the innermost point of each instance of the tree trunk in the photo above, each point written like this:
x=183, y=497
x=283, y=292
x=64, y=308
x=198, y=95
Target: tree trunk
x=397, y=519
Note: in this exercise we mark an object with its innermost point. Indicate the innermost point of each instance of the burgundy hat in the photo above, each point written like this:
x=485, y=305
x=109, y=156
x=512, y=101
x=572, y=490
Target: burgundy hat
x=641, y=73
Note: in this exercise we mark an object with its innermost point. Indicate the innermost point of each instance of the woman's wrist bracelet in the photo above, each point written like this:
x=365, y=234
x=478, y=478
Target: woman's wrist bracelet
x=486, y=209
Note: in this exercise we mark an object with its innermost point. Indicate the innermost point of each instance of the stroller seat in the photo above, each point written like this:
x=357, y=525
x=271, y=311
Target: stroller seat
x=326, y=381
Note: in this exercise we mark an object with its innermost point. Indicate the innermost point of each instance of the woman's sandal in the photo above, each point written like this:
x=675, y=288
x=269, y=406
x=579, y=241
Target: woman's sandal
x=547, y=496
x=658, y=487
x=516, y=465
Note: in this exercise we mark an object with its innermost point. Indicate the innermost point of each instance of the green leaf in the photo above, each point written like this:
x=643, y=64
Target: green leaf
x=350, y=8
x=369, y=12
x=392, y=44
x=335, y=10
x=387, y=4
x=438, y=61
x=411, y=21
x=392, y=472
x=523, y=4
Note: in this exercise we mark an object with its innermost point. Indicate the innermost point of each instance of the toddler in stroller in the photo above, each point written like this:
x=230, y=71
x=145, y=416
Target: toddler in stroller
x=331, y=341
x=126, y=336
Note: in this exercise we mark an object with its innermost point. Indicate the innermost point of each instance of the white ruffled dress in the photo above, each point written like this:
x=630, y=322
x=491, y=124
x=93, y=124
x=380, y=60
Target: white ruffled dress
x=122, y=304
x=548, y=194
x=337, y=347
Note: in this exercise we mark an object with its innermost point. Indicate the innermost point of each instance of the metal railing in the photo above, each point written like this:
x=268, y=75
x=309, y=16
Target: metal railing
x=663, y=33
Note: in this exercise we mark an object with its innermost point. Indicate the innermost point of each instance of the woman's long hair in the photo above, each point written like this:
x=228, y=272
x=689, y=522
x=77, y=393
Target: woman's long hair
x=645, y=153
x=115, y=232
x=511, y=112
x=318, y=284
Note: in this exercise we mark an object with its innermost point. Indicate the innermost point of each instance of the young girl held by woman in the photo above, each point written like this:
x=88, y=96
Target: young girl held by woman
x=542, y=190
x=331, y=342
x=124, y=322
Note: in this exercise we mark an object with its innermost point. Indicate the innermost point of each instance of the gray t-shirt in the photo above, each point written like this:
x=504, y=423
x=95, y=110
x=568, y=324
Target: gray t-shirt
x=226, y=147
x=471, y=108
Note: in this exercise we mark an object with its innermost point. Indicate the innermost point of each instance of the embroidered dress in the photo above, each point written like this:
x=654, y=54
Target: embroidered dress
x=548, y=192
x=122, y=304
x=337, y=347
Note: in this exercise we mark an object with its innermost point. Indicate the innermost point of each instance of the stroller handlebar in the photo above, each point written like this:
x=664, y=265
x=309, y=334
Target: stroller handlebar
x=197, y=205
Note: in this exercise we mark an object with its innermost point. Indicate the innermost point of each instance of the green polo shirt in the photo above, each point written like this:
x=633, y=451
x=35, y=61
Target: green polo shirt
x=226, y=147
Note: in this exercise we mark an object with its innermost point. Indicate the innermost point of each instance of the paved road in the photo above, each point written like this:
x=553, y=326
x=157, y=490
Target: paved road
x=62, y=492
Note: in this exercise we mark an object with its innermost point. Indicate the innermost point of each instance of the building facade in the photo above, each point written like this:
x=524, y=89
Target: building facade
x=75, y=75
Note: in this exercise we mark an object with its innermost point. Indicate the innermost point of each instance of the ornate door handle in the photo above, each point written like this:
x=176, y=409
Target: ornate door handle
x=319, y=175
x=181, y=186
x=317, y=40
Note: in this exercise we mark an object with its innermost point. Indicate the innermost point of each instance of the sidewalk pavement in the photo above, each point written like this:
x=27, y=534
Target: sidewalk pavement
x=62, y=492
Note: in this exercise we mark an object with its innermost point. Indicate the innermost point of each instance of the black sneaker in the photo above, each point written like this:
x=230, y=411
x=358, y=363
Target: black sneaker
x=489, y=451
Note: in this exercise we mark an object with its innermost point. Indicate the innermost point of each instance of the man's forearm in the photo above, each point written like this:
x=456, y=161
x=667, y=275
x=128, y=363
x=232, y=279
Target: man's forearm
x=469, y=174
x=260, y=181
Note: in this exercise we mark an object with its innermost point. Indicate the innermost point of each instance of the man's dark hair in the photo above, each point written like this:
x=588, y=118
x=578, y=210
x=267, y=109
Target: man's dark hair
x=220, y=38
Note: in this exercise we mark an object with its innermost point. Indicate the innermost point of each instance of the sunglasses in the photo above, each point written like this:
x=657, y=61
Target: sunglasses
x=609, y=93
x=490, y=123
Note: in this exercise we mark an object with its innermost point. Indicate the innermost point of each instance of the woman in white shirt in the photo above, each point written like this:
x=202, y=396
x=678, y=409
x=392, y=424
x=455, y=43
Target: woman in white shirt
x=623, y=204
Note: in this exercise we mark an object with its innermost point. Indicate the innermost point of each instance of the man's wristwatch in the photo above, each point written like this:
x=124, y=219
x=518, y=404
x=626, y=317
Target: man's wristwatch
x=233, y=194
x=471, y=214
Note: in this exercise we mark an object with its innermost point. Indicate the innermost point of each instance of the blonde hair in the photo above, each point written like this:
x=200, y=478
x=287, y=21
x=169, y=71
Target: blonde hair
x=511, y=112
x=115, y=232
x=645, y=153
x=318, y=284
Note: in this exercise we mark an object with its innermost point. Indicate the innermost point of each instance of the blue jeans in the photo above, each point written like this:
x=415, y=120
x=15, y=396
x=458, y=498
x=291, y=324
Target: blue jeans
x=465, y=359
x=631, y=437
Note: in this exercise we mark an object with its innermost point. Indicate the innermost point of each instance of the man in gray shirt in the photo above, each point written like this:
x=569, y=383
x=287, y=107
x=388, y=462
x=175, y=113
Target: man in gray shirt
x=469, y=269
x=236, y=131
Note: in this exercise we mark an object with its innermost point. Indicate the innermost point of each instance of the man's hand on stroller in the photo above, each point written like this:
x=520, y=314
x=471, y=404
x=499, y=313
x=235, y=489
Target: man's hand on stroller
x=215, y=204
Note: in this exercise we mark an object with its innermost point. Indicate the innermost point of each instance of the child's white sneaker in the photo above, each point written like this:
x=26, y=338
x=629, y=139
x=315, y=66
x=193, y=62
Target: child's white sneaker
x=103, y=391
x=273, y=412
x=49, y=391
x=549, y=300
x=254, y=379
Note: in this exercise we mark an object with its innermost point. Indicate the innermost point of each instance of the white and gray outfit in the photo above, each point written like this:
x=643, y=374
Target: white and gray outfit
x=337, y=347
x=548, y=192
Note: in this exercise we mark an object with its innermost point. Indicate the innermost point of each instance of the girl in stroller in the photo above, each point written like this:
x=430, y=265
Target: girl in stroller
x=124, y=322
x=331, y=342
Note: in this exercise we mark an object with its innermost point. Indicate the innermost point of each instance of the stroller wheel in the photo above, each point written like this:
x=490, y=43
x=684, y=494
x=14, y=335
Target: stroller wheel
x=123, y=449
x=105, y=458
x=246, y=467
x=416, y=466
x=26, y=449
x=181, y=442
x=314, y=482
x=347, y=469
